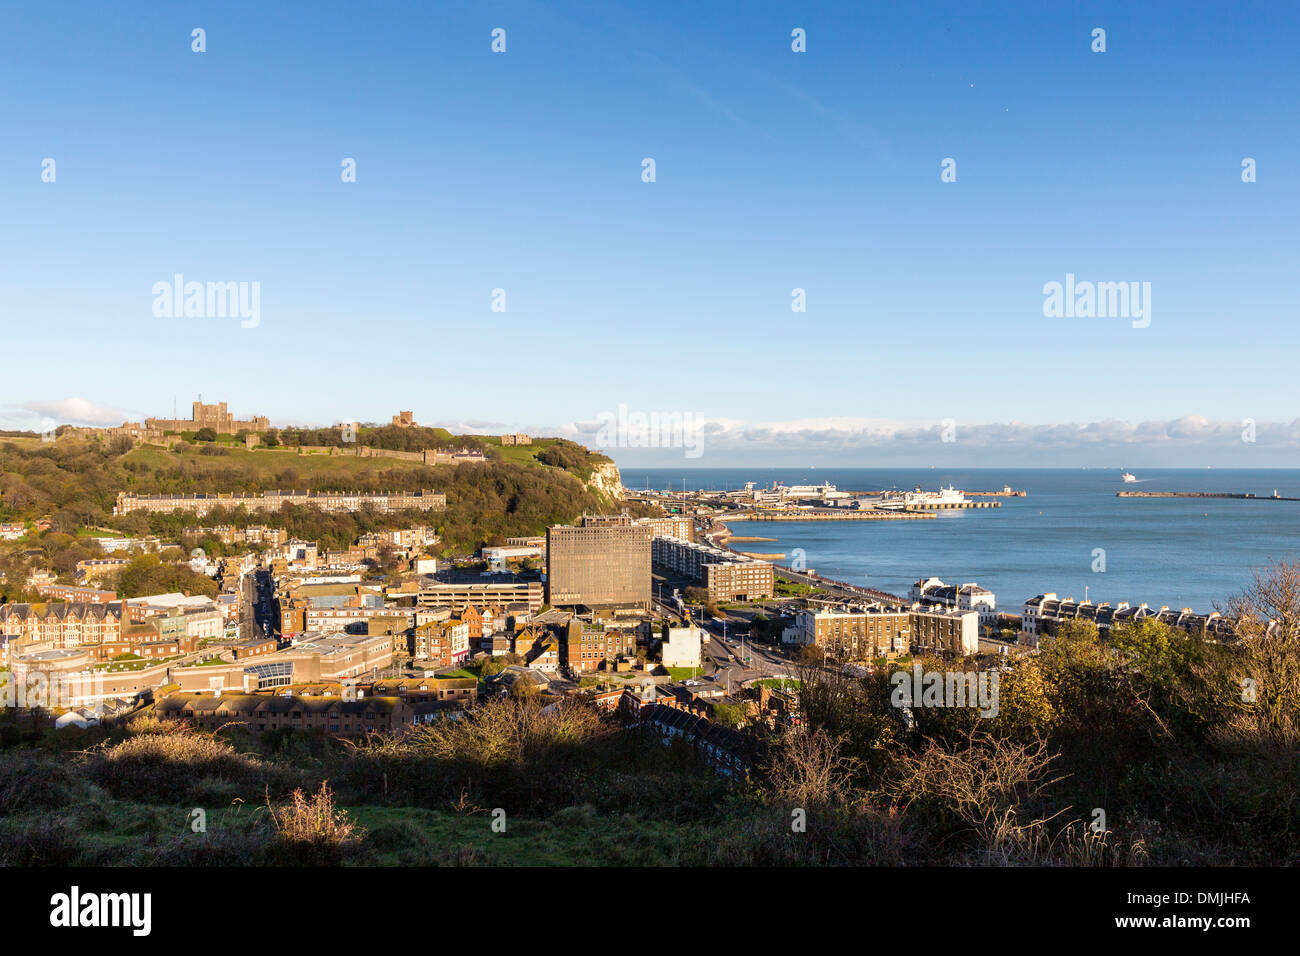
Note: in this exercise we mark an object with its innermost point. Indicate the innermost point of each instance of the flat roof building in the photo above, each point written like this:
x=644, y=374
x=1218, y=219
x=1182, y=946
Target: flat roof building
x=598, y=565
x=726, y=575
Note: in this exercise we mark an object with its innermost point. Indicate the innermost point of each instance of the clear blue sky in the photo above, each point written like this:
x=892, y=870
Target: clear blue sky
x=774, y=170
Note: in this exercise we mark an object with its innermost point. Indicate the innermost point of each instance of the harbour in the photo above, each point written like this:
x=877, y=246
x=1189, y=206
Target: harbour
x=1050, y=540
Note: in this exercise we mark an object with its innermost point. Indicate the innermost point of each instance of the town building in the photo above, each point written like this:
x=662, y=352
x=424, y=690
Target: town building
x=442, y=643
x=498, y=556
x=877, y=630
x=96, y=569
x=588, y=645
x=968, y=597
x=259, y=535
x=1043, y=611
x=75, y=593
x=260, y=713
x=726, y=575
x=682, y=646
x=458, y=595
x=731, y=752
x=598, y=565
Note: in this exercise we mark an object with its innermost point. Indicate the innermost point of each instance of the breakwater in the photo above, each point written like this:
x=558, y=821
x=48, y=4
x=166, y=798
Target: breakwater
x=1201, y=494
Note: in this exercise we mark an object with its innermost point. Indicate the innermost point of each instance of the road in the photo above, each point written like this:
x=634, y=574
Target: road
x=839, y=589
x=255, y=605
x=764, y=661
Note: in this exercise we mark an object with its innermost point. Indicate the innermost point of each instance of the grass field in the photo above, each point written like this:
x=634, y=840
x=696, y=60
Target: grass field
x=684, y=673
x=461, y=672
x=395, y=836
x=268, y=462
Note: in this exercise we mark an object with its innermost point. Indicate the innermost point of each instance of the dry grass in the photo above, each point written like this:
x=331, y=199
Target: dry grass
x=168, y=766
x=501, y=731
x=312, y=830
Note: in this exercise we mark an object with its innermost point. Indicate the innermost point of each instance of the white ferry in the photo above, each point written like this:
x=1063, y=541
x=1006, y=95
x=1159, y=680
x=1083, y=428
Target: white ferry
x=948, y=497
x=1128, y=476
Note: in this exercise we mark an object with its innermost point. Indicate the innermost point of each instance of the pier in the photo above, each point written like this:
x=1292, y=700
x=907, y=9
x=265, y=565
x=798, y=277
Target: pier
x=950, y=505
x=847, y=515
x=1202, y=494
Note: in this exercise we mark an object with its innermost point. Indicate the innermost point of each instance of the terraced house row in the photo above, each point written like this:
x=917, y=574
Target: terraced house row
x=877, y=630
x=104, y=631
x=1048, y=609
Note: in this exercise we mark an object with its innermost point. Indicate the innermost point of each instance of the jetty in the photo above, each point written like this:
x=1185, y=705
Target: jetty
x=948, y=505
x=845, y=515
x=1004, y=493
x=1202, y=494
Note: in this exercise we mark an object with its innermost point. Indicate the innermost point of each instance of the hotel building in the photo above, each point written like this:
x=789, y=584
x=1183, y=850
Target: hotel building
x=599, y=565
x=726, y=575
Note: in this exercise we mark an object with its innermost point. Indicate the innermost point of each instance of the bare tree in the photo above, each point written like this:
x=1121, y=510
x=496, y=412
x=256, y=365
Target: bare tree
x=1267, y=621
x=808, y=768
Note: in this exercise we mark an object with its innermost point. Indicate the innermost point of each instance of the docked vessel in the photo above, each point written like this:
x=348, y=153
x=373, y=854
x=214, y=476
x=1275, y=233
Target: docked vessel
x=917, y=499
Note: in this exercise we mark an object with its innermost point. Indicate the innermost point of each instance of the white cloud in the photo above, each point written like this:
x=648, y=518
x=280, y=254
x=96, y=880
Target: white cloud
x=1189, y=439
x=40, y=415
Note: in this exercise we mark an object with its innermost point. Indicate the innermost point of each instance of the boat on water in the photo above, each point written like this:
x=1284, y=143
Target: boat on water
x=944, y=497
x=1128, y=476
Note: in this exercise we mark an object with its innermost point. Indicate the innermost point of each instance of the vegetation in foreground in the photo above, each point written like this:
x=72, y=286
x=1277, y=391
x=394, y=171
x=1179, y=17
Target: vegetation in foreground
x=1190, y=750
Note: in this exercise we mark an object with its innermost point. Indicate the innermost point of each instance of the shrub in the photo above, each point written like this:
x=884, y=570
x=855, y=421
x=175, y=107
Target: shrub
x=312, y=831
x=44, y=842
x=169, y=767
x=32, y=780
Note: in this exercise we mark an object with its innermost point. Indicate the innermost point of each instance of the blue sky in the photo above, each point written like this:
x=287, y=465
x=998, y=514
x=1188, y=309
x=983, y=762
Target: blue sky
x=775, y=170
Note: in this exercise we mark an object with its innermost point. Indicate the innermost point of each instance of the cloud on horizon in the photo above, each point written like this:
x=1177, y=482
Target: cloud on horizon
x=664, y=440
x=40, y=415
x=1188, y=440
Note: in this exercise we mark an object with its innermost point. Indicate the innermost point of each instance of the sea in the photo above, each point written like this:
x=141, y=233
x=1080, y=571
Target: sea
x=1070, y=534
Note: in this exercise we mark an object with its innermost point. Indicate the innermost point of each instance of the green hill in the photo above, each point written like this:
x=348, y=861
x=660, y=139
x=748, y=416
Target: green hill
x=517, y=491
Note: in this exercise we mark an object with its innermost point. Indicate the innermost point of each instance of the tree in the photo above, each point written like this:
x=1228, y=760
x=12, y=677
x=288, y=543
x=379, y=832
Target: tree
x=809, y=767
x=729, y=715
x=146, y=574
x=1265, y=672
x=205, y=434
x=120, y=446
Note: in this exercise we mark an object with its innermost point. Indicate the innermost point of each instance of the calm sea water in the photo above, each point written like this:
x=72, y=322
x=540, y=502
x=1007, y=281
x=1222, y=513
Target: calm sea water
x=1183, y=552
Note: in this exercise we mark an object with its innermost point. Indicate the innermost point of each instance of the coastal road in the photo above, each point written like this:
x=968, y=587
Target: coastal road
x=763, y=661
x=839, y=589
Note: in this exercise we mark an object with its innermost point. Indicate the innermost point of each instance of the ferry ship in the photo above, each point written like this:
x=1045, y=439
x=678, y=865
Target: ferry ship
x=1128, y=476
x=948, y=497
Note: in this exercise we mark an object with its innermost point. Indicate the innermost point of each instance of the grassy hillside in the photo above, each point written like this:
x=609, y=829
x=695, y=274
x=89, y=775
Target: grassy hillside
x=519, y=490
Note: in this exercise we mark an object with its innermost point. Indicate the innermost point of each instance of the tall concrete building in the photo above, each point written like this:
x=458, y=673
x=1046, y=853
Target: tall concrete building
x=598, y=565
x=668, y=526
